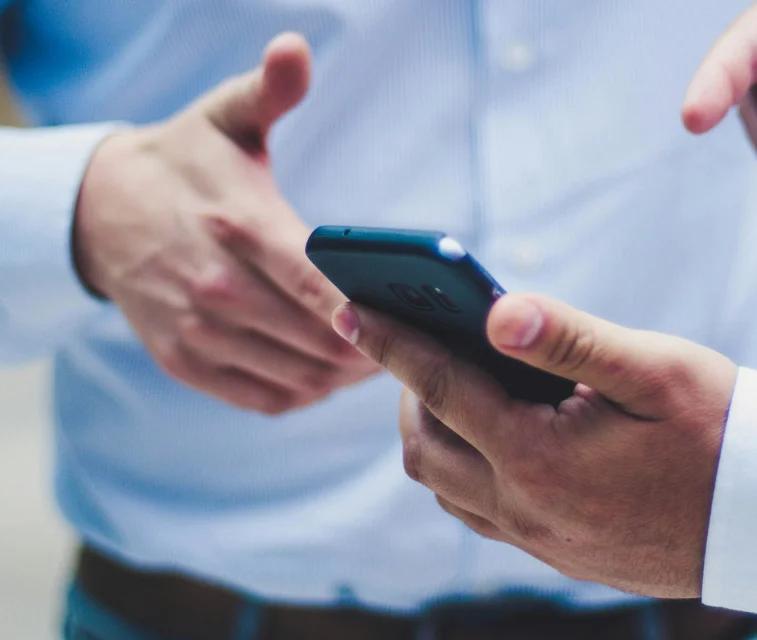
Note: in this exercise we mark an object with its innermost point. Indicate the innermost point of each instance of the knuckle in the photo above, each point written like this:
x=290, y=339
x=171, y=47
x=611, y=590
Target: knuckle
x=311, y=286
x=483, y=527
x=477, y=524
x=251, y=237
x=215, y=284
x=384, y=350
x=247, y=235
x=572, y=348
x=172, y=359
x=412, y=455
x=435, y=384
x=193, y=329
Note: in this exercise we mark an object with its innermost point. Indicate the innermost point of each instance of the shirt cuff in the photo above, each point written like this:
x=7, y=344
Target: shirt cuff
x=730, y=562
x=41, y=172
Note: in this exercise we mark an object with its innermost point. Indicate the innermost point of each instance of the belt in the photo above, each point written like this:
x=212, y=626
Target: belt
x=175, y=606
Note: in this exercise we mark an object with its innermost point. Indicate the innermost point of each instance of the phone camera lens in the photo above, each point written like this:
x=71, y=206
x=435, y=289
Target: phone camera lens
x=442, y=299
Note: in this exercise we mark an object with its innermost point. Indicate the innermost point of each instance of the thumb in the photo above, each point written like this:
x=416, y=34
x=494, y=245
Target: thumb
x=244, y=107
x=622, y=364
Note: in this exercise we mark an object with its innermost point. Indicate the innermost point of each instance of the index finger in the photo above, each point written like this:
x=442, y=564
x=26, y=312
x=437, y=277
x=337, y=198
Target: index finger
x=457, y=393
x=724, y=77
x=279, y=255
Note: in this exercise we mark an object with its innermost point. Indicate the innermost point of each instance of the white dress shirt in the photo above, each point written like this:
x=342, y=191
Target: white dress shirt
x=544, y=135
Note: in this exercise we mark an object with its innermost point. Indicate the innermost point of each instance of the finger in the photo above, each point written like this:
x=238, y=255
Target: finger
x=724, y=77
x=459, y=394
x=242, y=298
x=618, y=362
x=244, y=107
x=262, y=357
x=237, y=388
x=438, y=458
x=480, y=525
x=278, y=251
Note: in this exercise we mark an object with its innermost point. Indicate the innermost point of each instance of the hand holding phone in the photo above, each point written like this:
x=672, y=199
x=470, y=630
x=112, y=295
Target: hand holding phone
x=428, y=280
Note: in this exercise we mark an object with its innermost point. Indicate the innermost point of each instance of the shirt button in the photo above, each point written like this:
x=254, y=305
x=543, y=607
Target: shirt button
x=527, y=257
x=517, y=57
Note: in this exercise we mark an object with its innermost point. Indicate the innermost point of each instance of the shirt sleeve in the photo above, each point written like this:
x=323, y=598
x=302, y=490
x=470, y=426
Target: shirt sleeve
x=730, y=563
x=42, y=300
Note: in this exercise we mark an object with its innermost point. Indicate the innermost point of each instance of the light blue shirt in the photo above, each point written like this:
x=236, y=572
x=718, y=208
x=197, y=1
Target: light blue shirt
x=544, y=135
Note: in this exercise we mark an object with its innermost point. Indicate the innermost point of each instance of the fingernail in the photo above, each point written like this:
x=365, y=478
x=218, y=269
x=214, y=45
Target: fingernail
x=346, y=323
x=520, y=323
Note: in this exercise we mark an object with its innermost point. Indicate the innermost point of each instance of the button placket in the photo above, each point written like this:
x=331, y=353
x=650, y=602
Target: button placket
x=512, y=144
x=517, y=56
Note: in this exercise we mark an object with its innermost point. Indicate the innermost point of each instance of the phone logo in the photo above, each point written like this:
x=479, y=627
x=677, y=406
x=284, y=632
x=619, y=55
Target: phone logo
x=411, y=297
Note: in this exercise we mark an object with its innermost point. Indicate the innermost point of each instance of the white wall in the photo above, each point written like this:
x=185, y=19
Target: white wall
x=35, y=545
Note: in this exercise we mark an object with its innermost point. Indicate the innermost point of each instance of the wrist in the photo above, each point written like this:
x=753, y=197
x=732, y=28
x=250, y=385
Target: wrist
x=95, y=194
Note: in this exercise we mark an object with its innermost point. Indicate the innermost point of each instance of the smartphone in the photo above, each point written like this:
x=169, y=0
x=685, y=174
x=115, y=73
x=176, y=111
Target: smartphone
x=428, y=280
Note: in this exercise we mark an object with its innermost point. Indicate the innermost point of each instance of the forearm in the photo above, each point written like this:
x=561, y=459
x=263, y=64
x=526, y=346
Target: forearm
x=41, y=298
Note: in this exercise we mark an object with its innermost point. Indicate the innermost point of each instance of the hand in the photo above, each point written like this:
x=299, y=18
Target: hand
x=182, y=225
x=726, y=79
x=614, y=485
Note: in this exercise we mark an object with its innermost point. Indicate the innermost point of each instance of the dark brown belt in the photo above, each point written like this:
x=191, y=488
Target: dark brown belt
x=178, y=607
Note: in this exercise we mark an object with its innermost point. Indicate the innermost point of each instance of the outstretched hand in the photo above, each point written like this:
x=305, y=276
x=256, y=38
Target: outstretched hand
x=183, y=226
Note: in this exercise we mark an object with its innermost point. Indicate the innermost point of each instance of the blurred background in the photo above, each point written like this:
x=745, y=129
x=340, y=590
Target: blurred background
x=36, y=544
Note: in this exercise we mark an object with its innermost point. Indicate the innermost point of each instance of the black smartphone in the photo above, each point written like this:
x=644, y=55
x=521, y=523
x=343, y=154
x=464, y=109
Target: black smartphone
x=428, y=280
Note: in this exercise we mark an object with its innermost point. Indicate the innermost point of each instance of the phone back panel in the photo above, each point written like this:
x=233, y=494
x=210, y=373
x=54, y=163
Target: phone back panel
x=427, y=280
